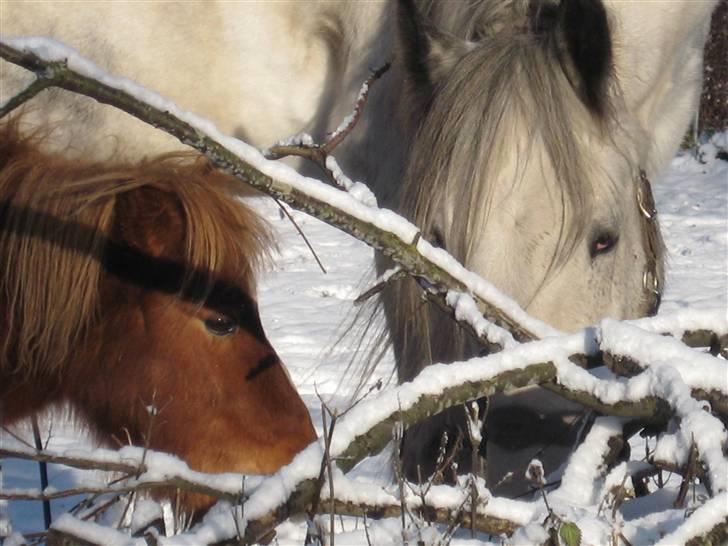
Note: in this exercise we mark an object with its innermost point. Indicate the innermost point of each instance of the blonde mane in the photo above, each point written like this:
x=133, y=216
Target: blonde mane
x=57, y=217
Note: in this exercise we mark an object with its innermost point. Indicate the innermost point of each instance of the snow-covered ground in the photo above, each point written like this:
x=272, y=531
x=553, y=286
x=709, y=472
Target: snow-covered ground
x=305, y=313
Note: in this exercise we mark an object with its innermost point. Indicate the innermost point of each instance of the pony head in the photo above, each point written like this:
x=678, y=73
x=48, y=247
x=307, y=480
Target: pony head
x=132, y=296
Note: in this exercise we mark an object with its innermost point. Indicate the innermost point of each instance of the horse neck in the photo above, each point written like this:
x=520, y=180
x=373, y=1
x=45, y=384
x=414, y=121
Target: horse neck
x=658, y=51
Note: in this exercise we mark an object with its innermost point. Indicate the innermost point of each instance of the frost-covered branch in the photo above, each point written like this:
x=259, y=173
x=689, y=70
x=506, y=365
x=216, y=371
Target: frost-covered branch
x=652, y=395
x=320, y=154
x=366, y=428
x=385, y=231
x=158, y=470
x=629, y=350
x=303, y=145
x=58, y=66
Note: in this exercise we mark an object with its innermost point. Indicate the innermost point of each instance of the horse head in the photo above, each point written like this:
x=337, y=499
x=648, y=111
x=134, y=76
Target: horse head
x=528, y=165
x=523, y=164
x=153, y=271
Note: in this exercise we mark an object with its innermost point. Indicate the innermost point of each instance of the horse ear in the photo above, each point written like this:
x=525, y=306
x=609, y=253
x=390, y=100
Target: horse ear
x=151, y=221
x=584, y=45
x=427, y=54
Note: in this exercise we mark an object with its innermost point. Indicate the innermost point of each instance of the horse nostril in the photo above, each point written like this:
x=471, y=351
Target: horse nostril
x=437, y=238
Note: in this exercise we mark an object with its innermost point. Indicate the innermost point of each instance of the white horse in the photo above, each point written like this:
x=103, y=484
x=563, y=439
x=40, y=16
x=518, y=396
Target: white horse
x=517, y=134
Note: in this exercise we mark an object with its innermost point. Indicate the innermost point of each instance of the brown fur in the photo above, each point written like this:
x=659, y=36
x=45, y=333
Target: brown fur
x=88, y=318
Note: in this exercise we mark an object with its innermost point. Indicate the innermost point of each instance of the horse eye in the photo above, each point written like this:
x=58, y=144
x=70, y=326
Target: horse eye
x=602, y=243
x=220, y=325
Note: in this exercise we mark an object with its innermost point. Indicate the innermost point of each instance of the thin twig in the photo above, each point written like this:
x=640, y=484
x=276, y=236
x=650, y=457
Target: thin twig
x=317, y=153
x=300, y=232
x=366, y=531
x=17, y=437
x=397, y=436
x=328, y=430
x=43, y=469
x=386, y=280
x=101, y=508
x=343, y=130
x=688, y=476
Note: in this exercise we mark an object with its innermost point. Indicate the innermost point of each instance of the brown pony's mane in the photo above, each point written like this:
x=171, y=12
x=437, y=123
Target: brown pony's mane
x=57, y=216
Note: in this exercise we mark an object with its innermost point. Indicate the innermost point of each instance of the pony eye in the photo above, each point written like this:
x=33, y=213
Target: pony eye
x=220, y=325
x=602, y=243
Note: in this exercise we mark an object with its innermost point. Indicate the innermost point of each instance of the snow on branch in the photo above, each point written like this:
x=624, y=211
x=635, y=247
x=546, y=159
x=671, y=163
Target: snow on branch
x=142, y=470
x=57, y=65
x=367, y=427
x=60, y=66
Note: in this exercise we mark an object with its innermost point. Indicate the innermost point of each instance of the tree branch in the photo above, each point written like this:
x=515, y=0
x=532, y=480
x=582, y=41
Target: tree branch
x=130, y=469
x=25, y=95
x=366, y=225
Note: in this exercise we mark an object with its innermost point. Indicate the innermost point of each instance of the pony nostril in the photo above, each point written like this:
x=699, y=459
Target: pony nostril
x=437, y=238
x=602, y=242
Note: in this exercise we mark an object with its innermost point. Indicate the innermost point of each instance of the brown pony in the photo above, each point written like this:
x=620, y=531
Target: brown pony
x=129, y=286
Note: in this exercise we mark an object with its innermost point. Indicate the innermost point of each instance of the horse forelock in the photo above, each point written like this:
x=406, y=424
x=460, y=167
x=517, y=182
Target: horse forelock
x=221, y=235
x=58, y=219
x=505, y=95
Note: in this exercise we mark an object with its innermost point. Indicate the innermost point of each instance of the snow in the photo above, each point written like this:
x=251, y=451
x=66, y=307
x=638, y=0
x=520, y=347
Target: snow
x=282, y=175
x=357, y=190
x=699, y=370
x=93, y=533
x=299, y=139
x=305, y=313
x=580, y=481
x=701, y=521
x=467, y=310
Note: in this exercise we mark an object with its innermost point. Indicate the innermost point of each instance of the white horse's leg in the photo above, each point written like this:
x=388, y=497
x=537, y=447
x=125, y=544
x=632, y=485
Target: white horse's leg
x=525, y=425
